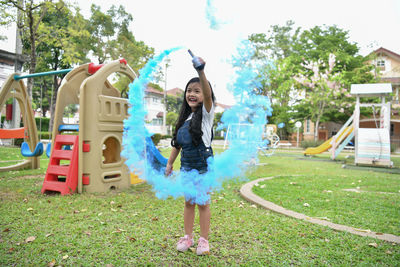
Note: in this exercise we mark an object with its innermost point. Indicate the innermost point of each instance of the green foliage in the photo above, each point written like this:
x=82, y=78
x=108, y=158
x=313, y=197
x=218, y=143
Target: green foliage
x=393, y=148
x=311, y=143
x=174, y=103
x=155, y=86
x=110, y=37
x=45, y=123
x=44, y=135
x=156, y=138
x=288, y=54
x=171, y=119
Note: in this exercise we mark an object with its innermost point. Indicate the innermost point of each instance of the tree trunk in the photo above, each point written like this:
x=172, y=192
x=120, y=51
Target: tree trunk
x=316, y=129
x=317, y=121
x=56, y=85
x=32, y=66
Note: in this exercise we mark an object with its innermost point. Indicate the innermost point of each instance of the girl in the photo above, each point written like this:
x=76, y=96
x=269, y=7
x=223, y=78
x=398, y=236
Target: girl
x=193, y=134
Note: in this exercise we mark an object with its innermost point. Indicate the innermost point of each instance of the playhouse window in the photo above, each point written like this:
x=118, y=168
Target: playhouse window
x=111, y=151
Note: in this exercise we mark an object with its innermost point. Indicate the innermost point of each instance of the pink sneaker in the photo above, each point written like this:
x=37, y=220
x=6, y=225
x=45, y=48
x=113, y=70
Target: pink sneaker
x=184, y=243
x=203, y=248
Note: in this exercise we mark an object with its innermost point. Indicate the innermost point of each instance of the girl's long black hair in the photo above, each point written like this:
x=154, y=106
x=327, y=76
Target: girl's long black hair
x=195, y=122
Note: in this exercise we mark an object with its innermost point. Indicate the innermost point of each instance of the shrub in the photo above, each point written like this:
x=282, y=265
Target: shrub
x=156, y=138
x=311, y=143
x=18, y=141
x=44, y=135
x=393, y=148
x=166, y=136
x=45, y=124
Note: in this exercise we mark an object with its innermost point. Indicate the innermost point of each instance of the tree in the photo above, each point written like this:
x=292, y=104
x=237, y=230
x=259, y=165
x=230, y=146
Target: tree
x=111, y=39
x=329, y=65
x=31, y=18
x=290, y=53
x=324, y=89
x=174, y=103
x=171, y=119
x=278, y=44
x=276, y=53
x=63, y=45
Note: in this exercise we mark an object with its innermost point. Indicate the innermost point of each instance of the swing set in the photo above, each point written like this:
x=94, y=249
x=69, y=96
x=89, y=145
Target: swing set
x=31, y=148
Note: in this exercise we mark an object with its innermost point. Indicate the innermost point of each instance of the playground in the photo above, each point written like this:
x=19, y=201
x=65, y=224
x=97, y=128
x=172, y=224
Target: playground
x=133, y=227
x=75, y=202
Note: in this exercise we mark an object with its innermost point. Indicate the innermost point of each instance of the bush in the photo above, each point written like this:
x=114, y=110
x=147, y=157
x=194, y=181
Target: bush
x=156, y=138
x=18, y=141
x=311, y=143
x=166, y=136
x=45, y=124
x=393, y=148
x=44, y=135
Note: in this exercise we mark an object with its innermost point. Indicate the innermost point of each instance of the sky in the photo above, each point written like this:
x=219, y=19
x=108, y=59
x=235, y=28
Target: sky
x=166, y=24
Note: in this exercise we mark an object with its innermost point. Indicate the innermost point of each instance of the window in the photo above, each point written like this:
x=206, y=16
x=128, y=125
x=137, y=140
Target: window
x=308, y=125
x=391, y=129
x=156, y=100
x=157, y=121
x=380, y=64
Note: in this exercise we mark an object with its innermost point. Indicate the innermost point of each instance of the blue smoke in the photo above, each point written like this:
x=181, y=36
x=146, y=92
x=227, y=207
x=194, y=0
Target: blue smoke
x=210, y=16
x=245, y=121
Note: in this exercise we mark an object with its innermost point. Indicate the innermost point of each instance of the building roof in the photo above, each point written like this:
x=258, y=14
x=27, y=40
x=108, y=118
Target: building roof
x=150, y=89
x=175, y=92
x=10, y=57
x=387, y=52
x=172, y=92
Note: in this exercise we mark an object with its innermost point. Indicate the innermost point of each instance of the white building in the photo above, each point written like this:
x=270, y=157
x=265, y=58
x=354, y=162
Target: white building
x=154, y=101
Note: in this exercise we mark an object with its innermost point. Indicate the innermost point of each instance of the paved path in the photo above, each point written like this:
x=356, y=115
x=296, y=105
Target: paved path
x=246, y=192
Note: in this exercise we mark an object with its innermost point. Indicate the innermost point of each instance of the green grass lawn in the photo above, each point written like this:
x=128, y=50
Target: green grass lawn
x=132, y=227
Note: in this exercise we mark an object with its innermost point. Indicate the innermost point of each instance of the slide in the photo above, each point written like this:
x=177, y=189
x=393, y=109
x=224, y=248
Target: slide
x=154, y=156
x=327, y=144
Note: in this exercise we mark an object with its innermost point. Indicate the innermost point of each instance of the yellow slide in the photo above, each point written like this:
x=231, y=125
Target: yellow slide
x=327, y=144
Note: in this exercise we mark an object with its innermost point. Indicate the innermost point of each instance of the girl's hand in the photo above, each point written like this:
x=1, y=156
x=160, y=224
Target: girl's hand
x=168, y=169
x=198, y=63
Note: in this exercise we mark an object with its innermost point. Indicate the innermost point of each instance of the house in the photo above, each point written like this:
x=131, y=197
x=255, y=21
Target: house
x=154, y=101
x=10, y=63
x=388, y=70
x=388, y=65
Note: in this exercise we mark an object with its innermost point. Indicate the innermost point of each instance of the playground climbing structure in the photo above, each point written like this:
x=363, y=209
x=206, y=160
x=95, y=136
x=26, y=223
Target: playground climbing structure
x=14, y=87
x=97, y=165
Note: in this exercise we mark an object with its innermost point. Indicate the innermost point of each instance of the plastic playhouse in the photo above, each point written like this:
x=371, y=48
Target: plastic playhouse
x=85, y=157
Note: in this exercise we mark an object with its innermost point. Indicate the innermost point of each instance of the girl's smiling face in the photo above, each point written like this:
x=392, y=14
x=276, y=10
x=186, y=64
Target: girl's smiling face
x=194, y=95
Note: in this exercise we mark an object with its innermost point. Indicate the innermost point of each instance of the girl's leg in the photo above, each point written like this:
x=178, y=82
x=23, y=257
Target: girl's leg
x=205, y=214
x=188, y=218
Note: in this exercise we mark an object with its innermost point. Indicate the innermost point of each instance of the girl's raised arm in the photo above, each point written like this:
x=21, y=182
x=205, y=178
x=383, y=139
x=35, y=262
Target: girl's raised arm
x=205, y=86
